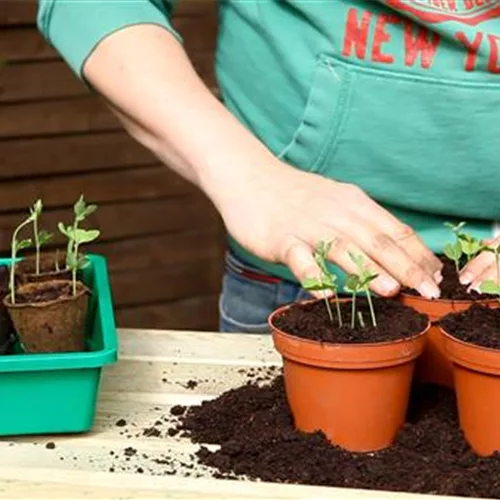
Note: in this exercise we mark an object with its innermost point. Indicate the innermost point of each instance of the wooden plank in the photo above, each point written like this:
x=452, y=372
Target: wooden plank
x=162, y=249
x=66, y=116
x=24, y=45
x=78, y=465
x=27, y=44
x=197, y=313
x=142, y=218
x=166, y=283
x=70, y=154
x=16, y=12
x=141, y=183
x=39, y=80
x=54, y=79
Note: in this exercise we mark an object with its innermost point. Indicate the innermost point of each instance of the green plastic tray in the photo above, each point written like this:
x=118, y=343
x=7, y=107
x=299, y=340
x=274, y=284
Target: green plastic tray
x=57, y=393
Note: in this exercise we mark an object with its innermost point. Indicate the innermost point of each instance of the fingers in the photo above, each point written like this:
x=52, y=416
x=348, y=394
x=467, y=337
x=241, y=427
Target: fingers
x=402, y=234
x=298, y=255
x=384, y=285
x=488, y=273
x=383, y=250
x=472, y=272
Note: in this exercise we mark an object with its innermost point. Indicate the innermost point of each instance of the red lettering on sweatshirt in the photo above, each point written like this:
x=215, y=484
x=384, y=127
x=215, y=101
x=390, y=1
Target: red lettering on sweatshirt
x=472, y=48
x=381, y=37
x=356, y=34
x=423, y=44
x=493, y=66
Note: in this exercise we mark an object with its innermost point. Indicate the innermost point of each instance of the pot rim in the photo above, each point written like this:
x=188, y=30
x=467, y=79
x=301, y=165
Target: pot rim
x=339, y=344
x=40, y=305
x=446, y=301
x=472, y=356
x=342, y=356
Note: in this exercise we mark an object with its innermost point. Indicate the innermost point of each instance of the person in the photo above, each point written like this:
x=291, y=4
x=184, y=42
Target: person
x=366, y=123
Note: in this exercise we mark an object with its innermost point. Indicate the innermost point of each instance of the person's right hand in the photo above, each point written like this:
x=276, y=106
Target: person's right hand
x=280, y=213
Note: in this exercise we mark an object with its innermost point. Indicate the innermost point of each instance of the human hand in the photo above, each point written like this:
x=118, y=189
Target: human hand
x=486, y=266
x=280, y=213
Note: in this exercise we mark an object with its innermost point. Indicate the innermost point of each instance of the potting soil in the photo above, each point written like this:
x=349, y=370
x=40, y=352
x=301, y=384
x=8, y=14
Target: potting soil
x=311, y=321
x=478, y=325
x=254, y=429
x=451, y=288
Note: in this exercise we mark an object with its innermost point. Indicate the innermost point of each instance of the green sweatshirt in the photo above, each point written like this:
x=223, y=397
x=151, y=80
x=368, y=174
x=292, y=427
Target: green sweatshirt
x=401, y=97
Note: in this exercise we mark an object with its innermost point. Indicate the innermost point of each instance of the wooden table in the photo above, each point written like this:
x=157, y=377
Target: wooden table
x=149, y=379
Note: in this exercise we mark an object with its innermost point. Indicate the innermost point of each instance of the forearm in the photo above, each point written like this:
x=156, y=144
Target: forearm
x=145, y=75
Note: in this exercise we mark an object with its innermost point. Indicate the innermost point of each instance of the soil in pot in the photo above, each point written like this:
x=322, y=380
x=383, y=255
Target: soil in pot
x=434, y=366
x=352, y=384
x=26, y=268
x=472, y=341
x=48, y=317
x=254, y=428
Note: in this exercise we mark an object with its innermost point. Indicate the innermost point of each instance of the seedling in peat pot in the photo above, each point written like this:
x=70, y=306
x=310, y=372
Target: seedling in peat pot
x=77, y=237
x=15, y=247
x=492, y=287
x=326, y=281
x=40, y=237
x=81, y=211
x=360, y=282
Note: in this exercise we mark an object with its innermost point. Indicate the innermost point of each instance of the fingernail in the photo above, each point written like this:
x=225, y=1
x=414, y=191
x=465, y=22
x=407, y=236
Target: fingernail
x=428, y=290
x=387, y=285
x=474, y=288
x=465, y=278
x=438, y=277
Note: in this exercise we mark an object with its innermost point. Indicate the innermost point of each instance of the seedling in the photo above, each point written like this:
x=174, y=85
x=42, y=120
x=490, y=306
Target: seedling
x=40, y=237
x=492, y=287
x=326, y=281
x=15, y=247
x=77, y=237
x=464, y=244
x=360, y=282
x=81, y=211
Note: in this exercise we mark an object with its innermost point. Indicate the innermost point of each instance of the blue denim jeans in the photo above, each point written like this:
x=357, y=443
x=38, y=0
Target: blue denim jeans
x=247, y=300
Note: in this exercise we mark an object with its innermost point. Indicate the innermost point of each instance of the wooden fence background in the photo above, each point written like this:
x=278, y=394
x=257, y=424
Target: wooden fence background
x=162, y=238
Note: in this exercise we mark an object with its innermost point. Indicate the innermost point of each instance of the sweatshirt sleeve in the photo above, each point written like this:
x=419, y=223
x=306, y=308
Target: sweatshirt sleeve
x=75, y=27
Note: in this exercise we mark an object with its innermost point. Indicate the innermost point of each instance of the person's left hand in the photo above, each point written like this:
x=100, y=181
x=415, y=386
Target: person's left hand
x=479, y=269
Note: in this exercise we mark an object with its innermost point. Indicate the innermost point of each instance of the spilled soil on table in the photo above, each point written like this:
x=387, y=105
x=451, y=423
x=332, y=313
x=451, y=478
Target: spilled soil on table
x=254, y=429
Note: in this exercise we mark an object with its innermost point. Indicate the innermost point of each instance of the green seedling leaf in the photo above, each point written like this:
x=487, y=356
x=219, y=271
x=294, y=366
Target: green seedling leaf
x=82, y=210
x=365, y=282
x=85, y=235
x=66, y=230
x=352, y=284
x=36, y=209
x=453, y=251
x=313, y=284
x=22, y=244
x=490, y=287
x=456, y=228
x=44, y=237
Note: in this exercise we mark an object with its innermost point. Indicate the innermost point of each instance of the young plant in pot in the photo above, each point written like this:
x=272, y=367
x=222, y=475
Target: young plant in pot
x=50, y=316
x=434, y=366
x=348, y=376
x=472, y=342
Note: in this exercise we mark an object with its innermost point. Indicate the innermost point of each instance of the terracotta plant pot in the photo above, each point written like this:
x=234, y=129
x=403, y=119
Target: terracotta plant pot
x=356, y=394
x=53, y=325
x=477, y=384
x=434, y=365
x=26, y=268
